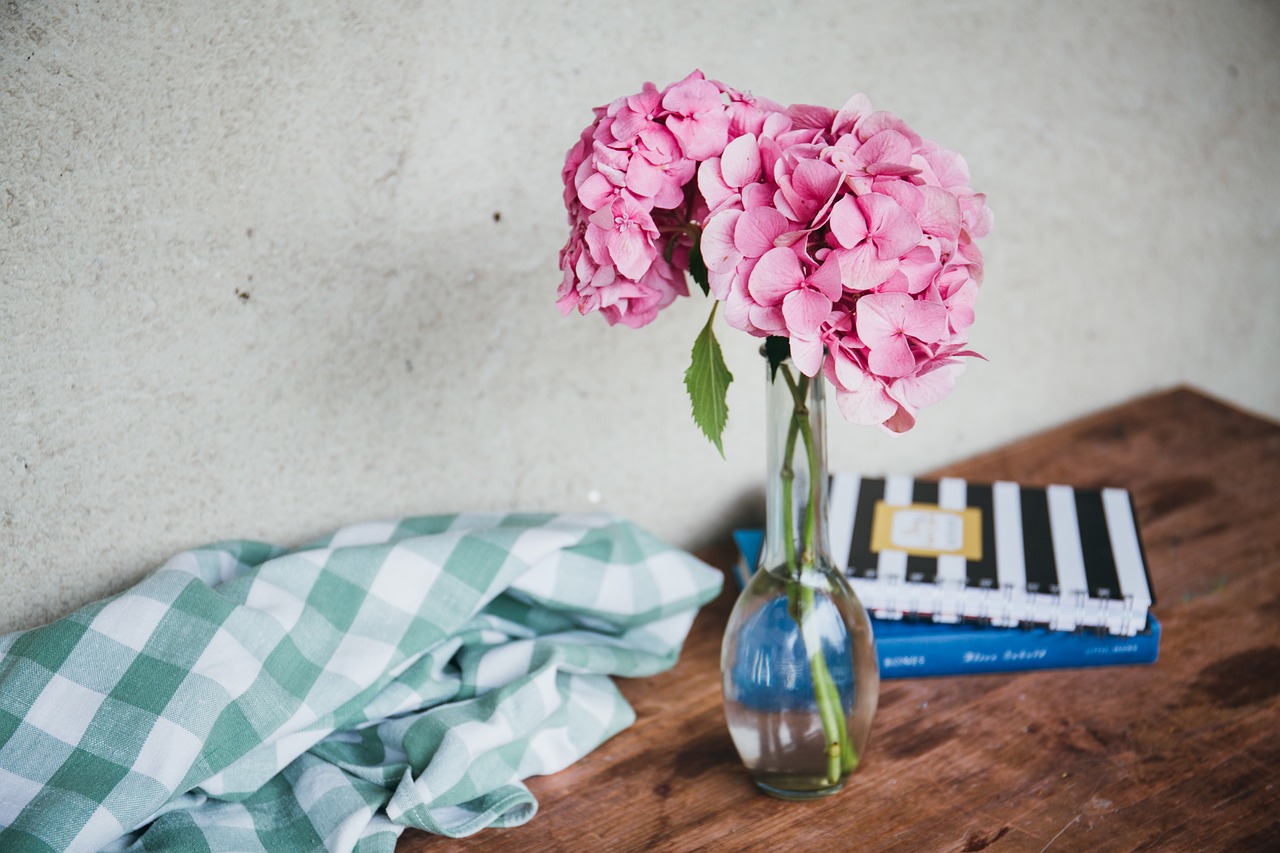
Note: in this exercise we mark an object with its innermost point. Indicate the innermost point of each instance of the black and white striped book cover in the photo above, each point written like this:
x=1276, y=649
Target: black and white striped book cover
x=998, y=553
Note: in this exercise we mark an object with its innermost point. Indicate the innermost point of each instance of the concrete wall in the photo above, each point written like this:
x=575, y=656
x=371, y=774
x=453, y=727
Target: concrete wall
x=270, y=267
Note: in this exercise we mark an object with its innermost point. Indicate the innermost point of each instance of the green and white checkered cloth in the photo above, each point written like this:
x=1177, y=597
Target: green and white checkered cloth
x=409, y=673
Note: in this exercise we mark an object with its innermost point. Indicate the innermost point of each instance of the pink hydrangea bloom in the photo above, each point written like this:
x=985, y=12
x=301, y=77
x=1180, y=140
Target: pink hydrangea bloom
x=697, y=116
x=805, y=296
x=623, y=235
x=842, y=230
x=889, y=323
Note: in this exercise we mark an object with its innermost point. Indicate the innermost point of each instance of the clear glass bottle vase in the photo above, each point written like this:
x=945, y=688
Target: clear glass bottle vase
x=798, y=663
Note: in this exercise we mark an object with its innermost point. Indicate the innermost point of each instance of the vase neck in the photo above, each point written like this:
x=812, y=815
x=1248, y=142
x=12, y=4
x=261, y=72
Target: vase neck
x=796, y=484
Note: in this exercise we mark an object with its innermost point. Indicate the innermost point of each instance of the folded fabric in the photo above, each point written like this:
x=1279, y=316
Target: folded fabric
x=408, y=673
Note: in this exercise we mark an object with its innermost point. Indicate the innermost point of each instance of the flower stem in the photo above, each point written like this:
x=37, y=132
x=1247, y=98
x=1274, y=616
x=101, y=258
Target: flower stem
x=788, y=475
x=801, y=597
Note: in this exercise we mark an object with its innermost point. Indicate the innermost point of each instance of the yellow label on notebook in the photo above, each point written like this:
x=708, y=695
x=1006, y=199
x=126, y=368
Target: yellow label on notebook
x=927, y=530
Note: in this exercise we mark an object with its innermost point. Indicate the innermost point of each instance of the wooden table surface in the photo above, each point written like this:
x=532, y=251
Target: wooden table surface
x=1180, y=755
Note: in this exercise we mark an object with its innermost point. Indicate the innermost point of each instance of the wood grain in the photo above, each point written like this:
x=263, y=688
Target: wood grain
x=1180, y=755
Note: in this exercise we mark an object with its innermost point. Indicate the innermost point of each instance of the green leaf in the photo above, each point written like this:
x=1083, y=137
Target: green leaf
x=698, y=268
x=707, y=380
x=777, y=349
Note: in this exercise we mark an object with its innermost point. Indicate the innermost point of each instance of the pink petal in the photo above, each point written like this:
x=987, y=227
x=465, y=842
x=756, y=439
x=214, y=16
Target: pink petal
x=585, y=169
x=968, y=253
x=646, y=100
x=854, y=110
x=770, y=152
x=610, y=162
x=691, y=96
x=630, y=233
x=721, y=284
x=756, y=195
x=881, y=120
x=596, y=237
x=702, y=136
x=719, y=251
x=978, y=218
x=643, y=178
x=596, y=192
x=848, y=223
x=670, y=194
x=603, y=277
x=952, y=278
x=757, y=230
x=628, y=124
x=946, y=167
x=807, y=352
x=901, y=421
x=786, y=201
x=768, y=319
x=567, y=302
x=860, y=269
x=844, y=371
x=881, y=316
x=777, y=274
x=711, y=184
x=896, y=283
x=869, y=405
x=631, y=252
x=620, y=290
x=919, y=267
x=589, y=303
x=894, y=228
x=658, y=145
x=826, y=279
x=815, y=180
x=738, y=305
x=604, y=217
x=926, y=321
x=573, y=160
x=887, y=153
x=740, y=163
x=804, y=311
x=940, y=215
x=904, y=193
x=809, y=116
x=635, y=318
x=927, y=388
x=844, y=159
x=804, y=192
x=891, y=358
x=881, y=320
x=960, y=307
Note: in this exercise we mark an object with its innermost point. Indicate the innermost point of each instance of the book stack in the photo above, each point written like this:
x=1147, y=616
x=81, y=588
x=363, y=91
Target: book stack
x=964, y=577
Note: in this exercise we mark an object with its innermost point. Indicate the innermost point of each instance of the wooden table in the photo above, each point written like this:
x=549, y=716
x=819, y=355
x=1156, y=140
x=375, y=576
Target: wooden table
x=1180, y=755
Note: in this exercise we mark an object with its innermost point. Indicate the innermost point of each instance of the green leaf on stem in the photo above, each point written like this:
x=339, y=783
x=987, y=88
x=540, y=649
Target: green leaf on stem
x=698, y=268
x=707, y=380
x=777, y=349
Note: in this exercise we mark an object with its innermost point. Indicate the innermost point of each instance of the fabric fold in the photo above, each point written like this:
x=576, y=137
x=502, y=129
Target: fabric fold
x=403, y=673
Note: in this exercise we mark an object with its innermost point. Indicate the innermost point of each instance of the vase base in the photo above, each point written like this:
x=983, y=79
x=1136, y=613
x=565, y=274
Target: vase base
x=796, y=787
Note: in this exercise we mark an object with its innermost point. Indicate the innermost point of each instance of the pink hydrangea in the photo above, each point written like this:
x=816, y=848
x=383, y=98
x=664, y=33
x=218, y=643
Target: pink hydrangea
x=841, y=230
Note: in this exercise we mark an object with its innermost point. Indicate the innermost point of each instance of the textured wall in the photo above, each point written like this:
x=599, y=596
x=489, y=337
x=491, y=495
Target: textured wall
x=269, y=267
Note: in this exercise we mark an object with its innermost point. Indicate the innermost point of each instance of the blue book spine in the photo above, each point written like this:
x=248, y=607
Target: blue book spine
x=912, y=649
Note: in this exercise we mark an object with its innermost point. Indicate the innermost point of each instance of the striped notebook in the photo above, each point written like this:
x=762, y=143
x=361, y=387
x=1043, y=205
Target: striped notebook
x=999, y=553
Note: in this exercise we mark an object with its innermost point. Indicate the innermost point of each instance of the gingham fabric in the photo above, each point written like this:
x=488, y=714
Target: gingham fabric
x=410, y=673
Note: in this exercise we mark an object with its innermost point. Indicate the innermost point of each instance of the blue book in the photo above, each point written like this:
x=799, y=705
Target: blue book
x=914, y=648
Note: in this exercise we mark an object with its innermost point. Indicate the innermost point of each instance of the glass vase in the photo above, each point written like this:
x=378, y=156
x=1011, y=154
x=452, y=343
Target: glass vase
x=798, y=663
